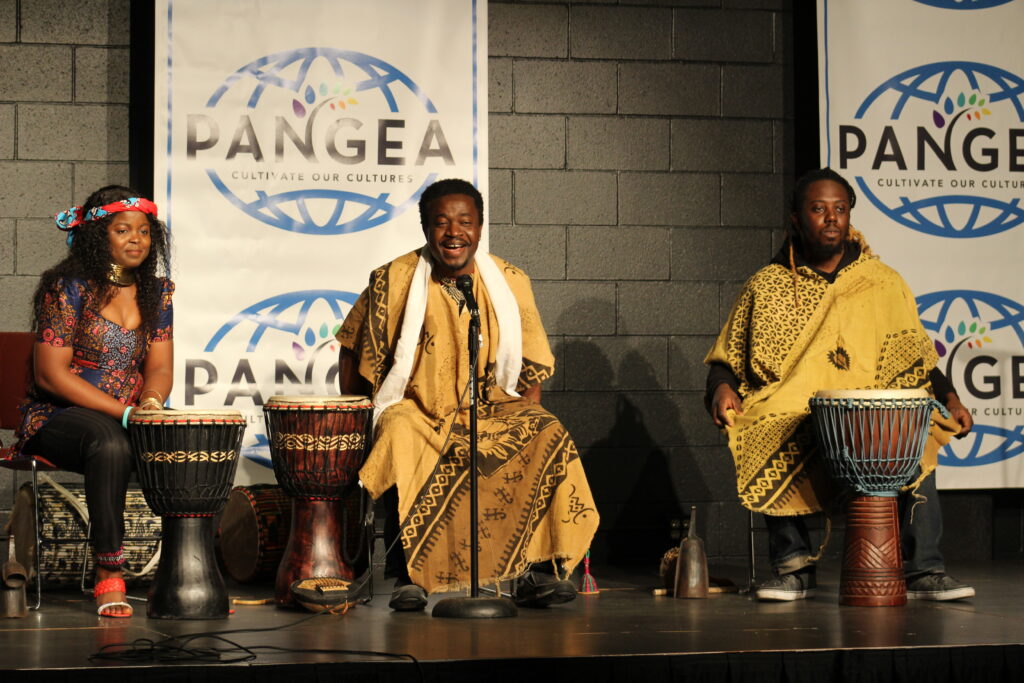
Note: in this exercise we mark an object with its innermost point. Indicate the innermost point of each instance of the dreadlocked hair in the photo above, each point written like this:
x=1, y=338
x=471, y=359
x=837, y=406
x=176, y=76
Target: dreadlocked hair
x=89, y=259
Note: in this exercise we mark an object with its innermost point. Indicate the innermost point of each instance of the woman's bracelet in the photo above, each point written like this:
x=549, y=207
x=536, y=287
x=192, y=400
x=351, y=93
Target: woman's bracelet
x=159, y=398
x=151, y=404
x=124, y=417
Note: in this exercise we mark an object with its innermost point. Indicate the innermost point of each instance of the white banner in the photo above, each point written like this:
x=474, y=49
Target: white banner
x=292, y=141
x=922, y=109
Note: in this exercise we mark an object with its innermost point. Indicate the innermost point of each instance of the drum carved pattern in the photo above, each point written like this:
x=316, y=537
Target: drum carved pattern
x=310, y=442
x=188, y=456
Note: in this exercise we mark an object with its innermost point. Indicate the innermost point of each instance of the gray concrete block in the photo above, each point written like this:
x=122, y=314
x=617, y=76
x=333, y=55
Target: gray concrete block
x=577, y=308
x=686, y=369
x=90, y=176
x=753, y=91
x=667, y=308
x=753, y=199
x=526, y=141
x=527, y=31
x=668, y=199
x=758, y=4
x=729, y=538
x=35, y=73
x=8, y=21
x=672, y=418
x=499, y=85
x=700, y=35
x=673, y=3
x=615, y=363
x=706, y=475
x=546, y=86
x=722, y=145
x=101, y=75
x=32, y=189
x=618, y=144
x=7, y=246
x=783, y=134
x=7, y=131
x=620, y=32
x=537, y=249
x=618, y=253
x=40, y=245
x=84, y=22
x=498, y=203
x=778, y=239
x=672, y=89
x=16, y=302
x=719, y=253
x=589, y=416
x=88, y=132
x=565, y=197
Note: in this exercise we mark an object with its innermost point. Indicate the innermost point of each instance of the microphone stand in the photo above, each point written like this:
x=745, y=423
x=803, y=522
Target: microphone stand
x=474, y=606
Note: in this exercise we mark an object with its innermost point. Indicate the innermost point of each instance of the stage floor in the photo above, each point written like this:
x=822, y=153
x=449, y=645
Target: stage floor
x=623, y=626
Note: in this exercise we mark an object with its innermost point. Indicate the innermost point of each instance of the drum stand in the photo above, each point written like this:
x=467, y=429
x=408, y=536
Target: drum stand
x=475, y=606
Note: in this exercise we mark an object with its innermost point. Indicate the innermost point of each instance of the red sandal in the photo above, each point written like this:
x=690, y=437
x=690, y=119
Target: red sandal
x=112, y=585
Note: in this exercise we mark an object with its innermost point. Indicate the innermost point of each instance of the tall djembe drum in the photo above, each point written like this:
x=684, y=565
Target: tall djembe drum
x=186, y=462
x=872, y=442
x=317, y=445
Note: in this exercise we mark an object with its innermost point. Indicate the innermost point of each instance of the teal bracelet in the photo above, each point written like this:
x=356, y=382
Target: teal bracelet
x=124, y=417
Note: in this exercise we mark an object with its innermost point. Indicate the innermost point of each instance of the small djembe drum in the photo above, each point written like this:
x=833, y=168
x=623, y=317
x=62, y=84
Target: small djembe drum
x=317, y=445
x=872, y=442
x=186, y=462
x=254, y=532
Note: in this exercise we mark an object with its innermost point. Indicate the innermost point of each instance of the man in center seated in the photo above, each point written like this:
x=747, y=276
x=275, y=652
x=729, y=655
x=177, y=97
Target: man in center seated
x=405, y=343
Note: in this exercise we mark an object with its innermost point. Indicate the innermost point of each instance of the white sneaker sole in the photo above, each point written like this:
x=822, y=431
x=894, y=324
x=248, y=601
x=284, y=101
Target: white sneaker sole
x=954, y=594
x=772, y=595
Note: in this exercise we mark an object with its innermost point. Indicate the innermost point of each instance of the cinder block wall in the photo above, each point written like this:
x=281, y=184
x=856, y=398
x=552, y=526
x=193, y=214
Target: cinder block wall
x=638, y=154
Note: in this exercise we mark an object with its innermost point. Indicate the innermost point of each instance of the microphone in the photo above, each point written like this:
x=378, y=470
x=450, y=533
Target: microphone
x=465, y=285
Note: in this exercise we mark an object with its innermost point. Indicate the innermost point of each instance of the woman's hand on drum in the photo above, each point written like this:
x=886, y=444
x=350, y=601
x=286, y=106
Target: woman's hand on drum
x=960, y=413
x=724, y=400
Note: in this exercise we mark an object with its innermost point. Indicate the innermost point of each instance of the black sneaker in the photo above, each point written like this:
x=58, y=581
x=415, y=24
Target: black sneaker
x=408, y=597
x=537, y=589
x=937, y=587
x=788, y=587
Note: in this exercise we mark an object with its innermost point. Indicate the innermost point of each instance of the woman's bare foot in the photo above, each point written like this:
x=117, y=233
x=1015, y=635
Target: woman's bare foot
x=112, y=593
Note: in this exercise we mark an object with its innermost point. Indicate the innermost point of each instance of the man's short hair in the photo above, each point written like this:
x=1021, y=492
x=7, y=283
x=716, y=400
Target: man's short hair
x=443, y=188
x=805, y=181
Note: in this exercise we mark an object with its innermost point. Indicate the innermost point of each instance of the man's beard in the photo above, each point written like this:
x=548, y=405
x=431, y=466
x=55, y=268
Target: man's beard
x=819, y=253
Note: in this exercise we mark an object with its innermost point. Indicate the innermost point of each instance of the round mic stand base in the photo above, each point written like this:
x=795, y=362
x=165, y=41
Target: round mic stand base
x=465, y=607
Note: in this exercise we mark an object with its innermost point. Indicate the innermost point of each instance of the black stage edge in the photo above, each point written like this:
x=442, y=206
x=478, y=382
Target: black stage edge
x=623, y=634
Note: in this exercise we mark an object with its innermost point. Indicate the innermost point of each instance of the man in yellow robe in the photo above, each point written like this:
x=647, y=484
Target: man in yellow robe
x=825, y=314
x=405, y=342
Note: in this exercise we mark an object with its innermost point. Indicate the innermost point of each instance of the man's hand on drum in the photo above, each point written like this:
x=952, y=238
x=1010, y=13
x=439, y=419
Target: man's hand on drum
x=722, y=401
x=960, y=413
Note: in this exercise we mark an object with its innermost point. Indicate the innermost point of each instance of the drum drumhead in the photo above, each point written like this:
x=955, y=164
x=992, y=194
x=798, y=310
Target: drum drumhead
x=342, y=402
x=184, y=416
x=873, y=394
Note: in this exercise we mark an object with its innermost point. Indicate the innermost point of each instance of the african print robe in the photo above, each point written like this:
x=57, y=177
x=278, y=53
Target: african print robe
x=534, y=500
x=788, y=337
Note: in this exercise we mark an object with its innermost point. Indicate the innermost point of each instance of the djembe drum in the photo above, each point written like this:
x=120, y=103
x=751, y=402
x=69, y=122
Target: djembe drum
x=254, y=532
x=186, y=462
x=317, y=445
x=872, y=442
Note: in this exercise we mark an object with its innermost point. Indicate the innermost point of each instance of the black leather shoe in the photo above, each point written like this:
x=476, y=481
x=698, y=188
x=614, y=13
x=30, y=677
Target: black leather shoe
x=536, y=589
x=408, y=598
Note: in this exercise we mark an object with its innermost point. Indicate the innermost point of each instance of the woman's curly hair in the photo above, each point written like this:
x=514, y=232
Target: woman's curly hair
x=89, y=259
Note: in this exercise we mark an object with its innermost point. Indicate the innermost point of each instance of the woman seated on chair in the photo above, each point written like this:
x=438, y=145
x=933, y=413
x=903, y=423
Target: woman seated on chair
x=103, y=318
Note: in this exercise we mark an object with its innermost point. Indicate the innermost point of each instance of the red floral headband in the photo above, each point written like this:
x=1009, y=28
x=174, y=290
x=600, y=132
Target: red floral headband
x=72, y=218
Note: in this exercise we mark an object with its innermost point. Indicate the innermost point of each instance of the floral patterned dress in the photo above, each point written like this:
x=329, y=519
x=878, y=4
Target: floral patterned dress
x=108, y=356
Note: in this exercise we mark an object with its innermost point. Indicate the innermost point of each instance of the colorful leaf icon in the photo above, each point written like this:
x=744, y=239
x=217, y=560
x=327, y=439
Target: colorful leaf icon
x=310, y=337
x=987, y=339
x=948, y=105
x=974, y=98
x=323, y=330
x=960, y=99
x=298, y=108
x=940, y=348
x=974, y=326
x=949, y=334
x=310, y=95
x=961, y=328
x=300, y=353
x=938, y=120
x=334, y=332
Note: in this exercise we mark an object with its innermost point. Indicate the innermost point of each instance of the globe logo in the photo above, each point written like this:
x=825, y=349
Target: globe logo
x=319, y=141
x=963, y=4
x=936, y=149
x=965, y=326
x=294, y=333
